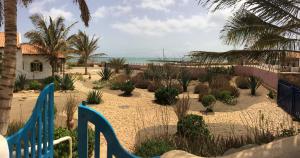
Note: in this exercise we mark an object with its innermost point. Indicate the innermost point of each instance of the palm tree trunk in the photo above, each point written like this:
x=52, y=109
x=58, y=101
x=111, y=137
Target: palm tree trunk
x=85, y=65
x=9, y=63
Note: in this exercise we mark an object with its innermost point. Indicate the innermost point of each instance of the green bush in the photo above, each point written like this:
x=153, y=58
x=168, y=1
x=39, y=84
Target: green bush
x=35, y=85
x=208, y=101
x=225, y=97
x=106, y=73
x=62, y=149
x=205, y=77
x=94, y=97
x=154, y=147
x=242, y=82
x=127, y=88
x=115, y=86
x=67, y=82
x=166, y=96
x=192, y=127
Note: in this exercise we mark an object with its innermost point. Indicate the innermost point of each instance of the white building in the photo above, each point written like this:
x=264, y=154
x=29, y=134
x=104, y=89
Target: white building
x=30, y=61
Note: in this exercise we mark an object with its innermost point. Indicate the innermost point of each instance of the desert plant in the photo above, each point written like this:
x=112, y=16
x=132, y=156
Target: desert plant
x=35, y=85
x=271, y=94
x=94, y=97
x=192, y=127
x=118, y=81
x=166, y=96
x=117, y=63
x=154, y=147
x=184, y=79
x=67, y=82
x=208, y=102
x=20, y=82
x=127, y=88
x=242, y=82
x=254, y=83
x=70, y=108
x=182, y=107
x=106, y=73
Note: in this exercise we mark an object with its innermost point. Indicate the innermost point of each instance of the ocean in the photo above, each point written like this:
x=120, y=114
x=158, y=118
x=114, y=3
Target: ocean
x=129, y=60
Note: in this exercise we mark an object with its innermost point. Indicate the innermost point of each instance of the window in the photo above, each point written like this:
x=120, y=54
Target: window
x=36, y=66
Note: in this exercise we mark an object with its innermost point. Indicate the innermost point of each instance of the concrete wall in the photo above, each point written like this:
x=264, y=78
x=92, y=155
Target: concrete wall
x=24, y=62
x=269, y=78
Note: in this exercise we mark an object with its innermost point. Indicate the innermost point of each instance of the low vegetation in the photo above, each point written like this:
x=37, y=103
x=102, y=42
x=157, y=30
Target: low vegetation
x=106, y=73
x=208, y=102
x=254, y=83
x=117, y=64
x=70, y=109
x=127, y=88
x=182, y=107
x=94, y=97
x=166, y=96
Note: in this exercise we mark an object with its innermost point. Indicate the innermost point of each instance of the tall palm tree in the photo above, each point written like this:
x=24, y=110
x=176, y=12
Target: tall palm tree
x=270, y=29
x=8, y=12
x=49, y=37
x=85, y=46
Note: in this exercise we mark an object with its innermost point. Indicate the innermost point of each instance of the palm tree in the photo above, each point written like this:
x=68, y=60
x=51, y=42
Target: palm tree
x=268, y=28
x=85, y=46
x=8, y=12
x=117, y=63
x=50, y=38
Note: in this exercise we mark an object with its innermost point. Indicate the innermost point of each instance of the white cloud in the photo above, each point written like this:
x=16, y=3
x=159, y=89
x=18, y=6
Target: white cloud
x=147, y=26
x=161, y=5
x=40, y=7
x=113, y=10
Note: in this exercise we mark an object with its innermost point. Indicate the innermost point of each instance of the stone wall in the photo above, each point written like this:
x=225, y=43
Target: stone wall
x=270, y=79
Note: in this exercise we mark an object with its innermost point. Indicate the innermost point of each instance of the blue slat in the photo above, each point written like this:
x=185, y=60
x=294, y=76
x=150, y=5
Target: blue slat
x=40, y=126
x=39, y=135
x=97, y=142
x=26, y=153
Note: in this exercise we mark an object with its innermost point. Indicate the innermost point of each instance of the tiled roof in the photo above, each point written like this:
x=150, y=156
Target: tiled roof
x=2, y=39
x=28, y=49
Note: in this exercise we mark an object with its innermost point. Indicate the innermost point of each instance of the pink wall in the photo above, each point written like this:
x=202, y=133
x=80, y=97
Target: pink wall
x=269, y=78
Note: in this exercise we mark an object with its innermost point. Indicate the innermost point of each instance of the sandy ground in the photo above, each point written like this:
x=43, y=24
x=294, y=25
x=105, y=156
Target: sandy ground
x=134, y=118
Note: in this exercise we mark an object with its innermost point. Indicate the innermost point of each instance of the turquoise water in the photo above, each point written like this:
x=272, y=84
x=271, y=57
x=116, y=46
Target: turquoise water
x=129, y=60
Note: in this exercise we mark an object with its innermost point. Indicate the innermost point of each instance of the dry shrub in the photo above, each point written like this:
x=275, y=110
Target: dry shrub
x=242, y=82
x=70, y=109
x=140, y=81
x=219, y=81
x=201, y=88
x=196, y=73
x=178, y=87
x=138, y=77
x=153, y=86
x=182, y=107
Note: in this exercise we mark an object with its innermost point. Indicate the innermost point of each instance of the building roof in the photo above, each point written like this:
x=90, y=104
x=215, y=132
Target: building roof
x=293, y=55
x=26, y=49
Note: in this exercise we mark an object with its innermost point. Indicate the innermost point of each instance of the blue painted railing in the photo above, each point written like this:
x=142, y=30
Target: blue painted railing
x=87, y=115
x=35, y=139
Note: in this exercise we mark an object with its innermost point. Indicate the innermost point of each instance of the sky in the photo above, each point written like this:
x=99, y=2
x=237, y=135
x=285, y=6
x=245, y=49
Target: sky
x=138, y=28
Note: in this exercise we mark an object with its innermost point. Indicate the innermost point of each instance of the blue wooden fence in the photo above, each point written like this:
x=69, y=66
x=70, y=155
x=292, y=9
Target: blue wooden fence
x=35, y=139
x=87, y=115
x=288, y=97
